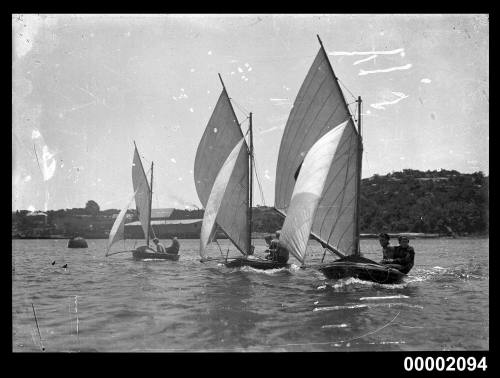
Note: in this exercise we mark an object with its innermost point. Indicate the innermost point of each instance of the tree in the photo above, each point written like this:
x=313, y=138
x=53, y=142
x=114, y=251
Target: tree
x=92, y=208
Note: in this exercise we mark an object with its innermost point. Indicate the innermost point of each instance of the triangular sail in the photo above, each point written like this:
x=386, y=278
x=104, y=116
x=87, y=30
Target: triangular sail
x=118, y=230
x=221, y=135
x=318, y=108
x=142, y=192
x=228, y=198
x=328, y=156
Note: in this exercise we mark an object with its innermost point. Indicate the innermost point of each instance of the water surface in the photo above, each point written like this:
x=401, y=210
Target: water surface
x=117, y=304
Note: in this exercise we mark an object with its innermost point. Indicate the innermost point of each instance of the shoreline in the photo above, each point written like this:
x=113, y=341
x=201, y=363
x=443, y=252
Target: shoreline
x=261, y=235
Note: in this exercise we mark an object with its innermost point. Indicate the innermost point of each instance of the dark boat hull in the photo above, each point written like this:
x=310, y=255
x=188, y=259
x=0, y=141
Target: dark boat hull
x=361, y=268
x=255, y=263
x=77, y=242
x=144, y=252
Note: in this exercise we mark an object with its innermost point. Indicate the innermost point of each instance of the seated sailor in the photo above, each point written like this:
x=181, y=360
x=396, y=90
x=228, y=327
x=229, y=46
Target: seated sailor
x=174, y=248
x=160, y=248
x=273, y=246
x=402, y=257
x=387, y=250
x=281, y=254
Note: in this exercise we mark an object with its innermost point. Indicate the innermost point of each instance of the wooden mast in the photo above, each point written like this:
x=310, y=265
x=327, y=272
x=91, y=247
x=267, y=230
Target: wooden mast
x=357, y=250
x=150, y=205
x=250, y=180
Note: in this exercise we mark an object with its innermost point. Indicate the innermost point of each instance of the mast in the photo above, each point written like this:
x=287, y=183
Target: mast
x=150, y=205
x=357, y=250
x=250, y=180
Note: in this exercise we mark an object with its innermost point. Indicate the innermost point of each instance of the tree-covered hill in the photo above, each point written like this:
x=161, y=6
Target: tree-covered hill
x=433, y=202
x=437, y=202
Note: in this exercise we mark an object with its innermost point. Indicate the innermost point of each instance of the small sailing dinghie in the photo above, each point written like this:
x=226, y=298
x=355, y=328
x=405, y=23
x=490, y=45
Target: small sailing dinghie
x=143, y=195
x=318, y=178
x=223, y=179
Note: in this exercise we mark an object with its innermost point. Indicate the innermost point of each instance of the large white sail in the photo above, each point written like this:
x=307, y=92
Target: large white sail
x=142, y=192
x=221, y=136
x=228, y=198
x=117, y=232
x=328, y=156
x=319, y=108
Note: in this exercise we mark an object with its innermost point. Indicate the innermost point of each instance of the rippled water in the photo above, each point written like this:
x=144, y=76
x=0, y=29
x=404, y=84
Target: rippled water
x=117, y=304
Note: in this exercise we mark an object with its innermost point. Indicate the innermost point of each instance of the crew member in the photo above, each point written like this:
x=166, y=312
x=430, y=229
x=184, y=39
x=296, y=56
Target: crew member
x=387, y=250
x=174, y=248
x=273, y=246
x=402, y=257
x=160, y=248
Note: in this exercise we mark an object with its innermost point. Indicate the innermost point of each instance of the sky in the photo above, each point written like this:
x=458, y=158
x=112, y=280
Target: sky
x=85, y=87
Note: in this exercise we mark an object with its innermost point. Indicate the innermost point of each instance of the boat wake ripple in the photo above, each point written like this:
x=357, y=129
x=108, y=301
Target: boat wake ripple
x=356, y=306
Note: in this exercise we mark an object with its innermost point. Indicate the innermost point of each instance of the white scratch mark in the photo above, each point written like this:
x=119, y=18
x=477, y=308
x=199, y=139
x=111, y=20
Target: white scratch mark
x=380, y=105
x=173, y=160
x=389, y=52
x=398, y=68
x=425, y=81
x=364, y=60
x=191, y=110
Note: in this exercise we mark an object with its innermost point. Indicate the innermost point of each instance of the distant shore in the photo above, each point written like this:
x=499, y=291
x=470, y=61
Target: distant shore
x=261, y=235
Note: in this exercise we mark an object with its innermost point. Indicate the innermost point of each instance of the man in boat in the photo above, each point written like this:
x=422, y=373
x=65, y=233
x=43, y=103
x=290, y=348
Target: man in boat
x=281, y=255
x=273, y=245
x=160, y=248
x=402, y=257
x=174, y=248
x=387, y=250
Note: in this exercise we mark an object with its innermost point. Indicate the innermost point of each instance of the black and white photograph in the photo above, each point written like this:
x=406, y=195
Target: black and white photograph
x=205, y=183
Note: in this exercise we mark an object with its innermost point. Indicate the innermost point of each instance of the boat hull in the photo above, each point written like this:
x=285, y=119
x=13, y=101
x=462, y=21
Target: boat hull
x=361, y=268
x=256, y=264
x=144, y=252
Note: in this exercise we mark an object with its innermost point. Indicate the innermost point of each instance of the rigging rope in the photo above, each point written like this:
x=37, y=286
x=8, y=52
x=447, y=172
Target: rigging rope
x=258, y=182
x=241, y=108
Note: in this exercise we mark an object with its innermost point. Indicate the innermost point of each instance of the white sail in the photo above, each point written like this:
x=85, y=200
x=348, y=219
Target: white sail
x=327, y=157
x=318, y=108
x=224, y=204
x=142, y=192
x=118, y=230
x=221, y=135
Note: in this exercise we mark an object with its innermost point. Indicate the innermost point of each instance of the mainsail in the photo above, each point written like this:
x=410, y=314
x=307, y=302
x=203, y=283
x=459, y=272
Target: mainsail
x=329, y=156
x=118, y=230
x=221, y=136
x=224, y=200
x=320, y=107
x=142, y=192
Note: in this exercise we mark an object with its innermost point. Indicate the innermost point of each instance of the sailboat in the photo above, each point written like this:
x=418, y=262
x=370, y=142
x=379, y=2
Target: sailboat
x=143, y=195
x=318, y=177
x=223, y=173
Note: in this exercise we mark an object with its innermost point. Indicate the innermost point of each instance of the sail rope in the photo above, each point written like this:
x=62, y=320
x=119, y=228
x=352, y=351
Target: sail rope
x=258, y=182
x=241, y=108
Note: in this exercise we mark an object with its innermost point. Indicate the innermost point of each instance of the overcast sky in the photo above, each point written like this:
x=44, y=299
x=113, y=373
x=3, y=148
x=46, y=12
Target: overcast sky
x=85, y=87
